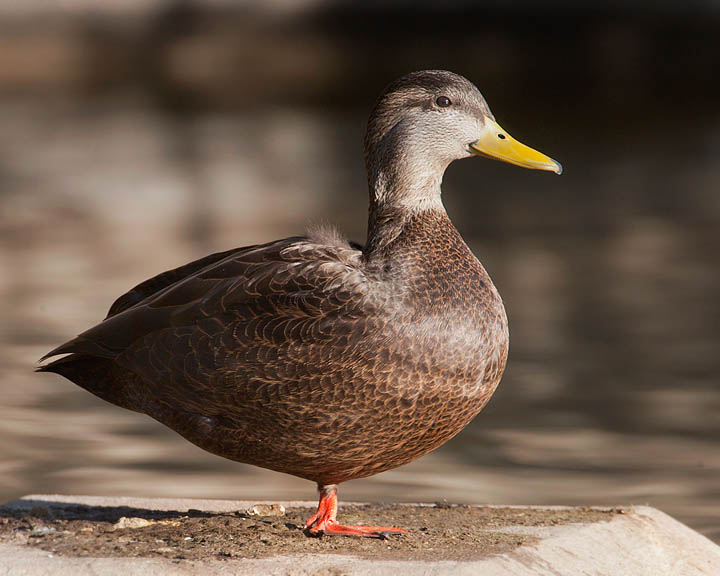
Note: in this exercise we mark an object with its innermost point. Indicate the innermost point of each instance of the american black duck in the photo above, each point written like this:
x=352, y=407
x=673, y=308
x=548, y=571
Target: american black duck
x=316, y=357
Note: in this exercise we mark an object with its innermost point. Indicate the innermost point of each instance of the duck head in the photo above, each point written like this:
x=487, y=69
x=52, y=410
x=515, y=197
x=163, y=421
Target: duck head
x=424, y=121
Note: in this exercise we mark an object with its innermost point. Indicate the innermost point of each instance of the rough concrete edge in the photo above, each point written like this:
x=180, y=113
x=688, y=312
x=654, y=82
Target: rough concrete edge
x=643, y=541
x=212, y=505
x=161, y=504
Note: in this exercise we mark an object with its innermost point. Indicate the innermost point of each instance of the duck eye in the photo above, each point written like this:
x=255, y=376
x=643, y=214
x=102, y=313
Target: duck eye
x=501, y=136
x=443, y=101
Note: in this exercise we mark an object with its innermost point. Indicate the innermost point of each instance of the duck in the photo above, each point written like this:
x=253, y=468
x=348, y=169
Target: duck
x=315, y=356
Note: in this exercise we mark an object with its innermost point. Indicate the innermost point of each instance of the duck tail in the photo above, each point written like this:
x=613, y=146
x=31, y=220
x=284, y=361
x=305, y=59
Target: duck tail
x=100, y=376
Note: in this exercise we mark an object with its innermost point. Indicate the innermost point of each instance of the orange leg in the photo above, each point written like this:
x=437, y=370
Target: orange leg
x=324, y=520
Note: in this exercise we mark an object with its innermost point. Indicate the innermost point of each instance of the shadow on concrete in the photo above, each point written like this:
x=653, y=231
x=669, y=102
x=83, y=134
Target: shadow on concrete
x=50, y=510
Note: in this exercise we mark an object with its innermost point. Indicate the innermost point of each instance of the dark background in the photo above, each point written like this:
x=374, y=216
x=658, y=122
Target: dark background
x=136, y=136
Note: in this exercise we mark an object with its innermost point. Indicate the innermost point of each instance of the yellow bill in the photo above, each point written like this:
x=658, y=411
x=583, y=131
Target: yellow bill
x=498, y=144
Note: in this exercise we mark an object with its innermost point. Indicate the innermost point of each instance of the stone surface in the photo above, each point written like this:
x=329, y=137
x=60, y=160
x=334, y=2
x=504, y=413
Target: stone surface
x=125, y=523
x=49, y=534
x=266, y=510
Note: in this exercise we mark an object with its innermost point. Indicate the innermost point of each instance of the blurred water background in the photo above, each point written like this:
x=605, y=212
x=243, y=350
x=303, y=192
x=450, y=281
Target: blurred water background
x=136, y=136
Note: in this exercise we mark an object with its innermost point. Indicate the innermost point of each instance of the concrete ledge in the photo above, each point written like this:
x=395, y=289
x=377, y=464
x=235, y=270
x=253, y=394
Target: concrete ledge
x=50, y=534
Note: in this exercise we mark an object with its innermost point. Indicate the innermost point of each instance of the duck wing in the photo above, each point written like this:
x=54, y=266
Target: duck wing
x=156, y=283
x=247, y=295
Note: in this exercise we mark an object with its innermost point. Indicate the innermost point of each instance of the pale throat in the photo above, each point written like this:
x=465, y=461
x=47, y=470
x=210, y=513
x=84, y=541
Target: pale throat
x=407, y=184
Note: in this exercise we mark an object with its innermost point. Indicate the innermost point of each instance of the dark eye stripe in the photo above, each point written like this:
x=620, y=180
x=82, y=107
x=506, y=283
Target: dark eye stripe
x=443, y=101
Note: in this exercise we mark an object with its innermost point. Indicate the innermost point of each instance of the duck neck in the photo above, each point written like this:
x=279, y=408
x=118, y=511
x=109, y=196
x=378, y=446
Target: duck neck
x=400, y=190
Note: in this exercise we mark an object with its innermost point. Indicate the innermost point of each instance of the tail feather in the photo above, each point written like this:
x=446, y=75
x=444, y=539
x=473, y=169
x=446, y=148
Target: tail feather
x=82, y=346
x=100, y=376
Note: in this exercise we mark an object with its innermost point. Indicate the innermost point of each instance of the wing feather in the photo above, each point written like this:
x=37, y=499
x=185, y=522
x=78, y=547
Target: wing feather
x=156, y=283
x=239, y=298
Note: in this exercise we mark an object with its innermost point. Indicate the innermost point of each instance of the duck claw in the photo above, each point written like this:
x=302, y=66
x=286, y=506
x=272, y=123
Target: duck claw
x=330, y=528
x=324, y=523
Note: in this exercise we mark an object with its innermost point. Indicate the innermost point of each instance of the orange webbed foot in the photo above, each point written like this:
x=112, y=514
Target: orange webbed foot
x=324, y=522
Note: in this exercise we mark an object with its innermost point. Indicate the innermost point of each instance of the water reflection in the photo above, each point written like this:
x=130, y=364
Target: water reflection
x=609, y=275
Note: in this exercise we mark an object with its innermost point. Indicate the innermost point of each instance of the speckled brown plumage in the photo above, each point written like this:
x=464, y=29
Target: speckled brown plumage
x=309, y=355
x=308, y=359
